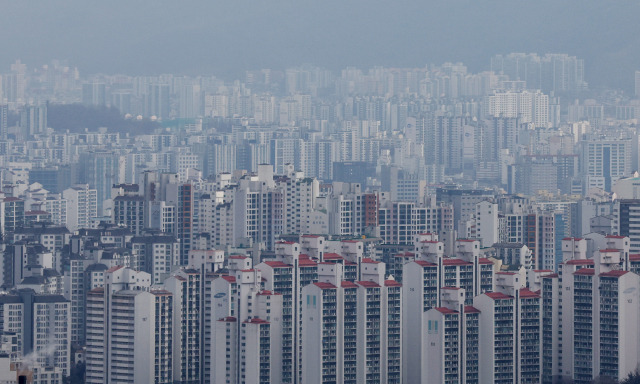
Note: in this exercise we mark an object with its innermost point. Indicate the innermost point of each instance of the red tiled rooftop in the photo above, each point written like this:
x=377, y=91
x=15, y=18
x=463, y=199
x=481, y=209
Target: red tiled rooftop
x=370, y=261
x=527, y=293
x=614, y=273
x=231, y=279
x=471, y=309
x=113, y=269
x=305, y=262
x=256, y=320
x=423, y=263
x=609, y=250
x=36, y=213
x=498, y=295
x=445, y=310
x=348, y=284
x=550, y=276
x=368, y=284
x=277, y=264
x=580, y=262
x=332, y=256
x=392, y=283
x=455, y=262
x=484, y=260
x=238, y=257
x=614, y=237
x=325, y=285
x=585, y=271
x=228, y=319
x=267, y=293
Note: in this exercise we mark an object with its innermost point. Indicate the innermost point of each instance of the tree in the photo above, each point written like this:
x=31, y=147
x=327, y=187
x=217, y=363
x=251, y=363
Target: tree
x=632, y=378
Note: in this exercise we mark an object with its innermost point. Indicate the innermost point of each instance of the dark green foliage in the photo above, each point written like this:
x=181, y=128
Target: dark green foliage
x=632, y=378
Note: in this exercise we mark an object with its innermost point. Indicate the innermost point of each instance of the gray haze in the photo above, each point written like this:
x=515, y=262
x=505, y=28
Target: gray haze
x=216, y=37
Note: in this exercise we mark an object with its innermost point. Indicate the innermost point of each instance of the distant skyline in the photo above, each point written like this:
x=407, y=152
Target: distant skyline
x=212, y=37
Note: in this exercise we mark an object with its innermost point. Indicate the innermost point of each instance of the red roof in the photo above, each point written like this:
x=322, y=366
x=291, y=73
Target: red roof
x=484, y=260
x=498, y=295
x=405, y=254
x=239, y=257
x=228, y=319
x=392, y=283
x=255, y=320
x=36, y=213
x=614, y=237
x=580, y=262
x=470, y=309
x=231, y=279
x=332, y=256
x=505, y=273
x=585, y=271
x=306, y=262
x=445, y=310
x=277, y=264
x=423, y=263
x=527, y=293
x=268, y=293
x=426, y=234
x=455, y=262
x=348, y=284
x=325, y=285
x=635, y=257
x=614, y=273
x=467, y=240
x=113, y=269
x=609, y=250
x=370, y=261
x=368, y=284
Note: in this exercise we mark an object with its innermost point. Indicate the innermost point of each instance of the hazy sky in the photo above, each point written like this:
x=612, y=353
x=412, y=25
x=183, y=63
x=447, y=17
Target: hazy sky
x=227, y=37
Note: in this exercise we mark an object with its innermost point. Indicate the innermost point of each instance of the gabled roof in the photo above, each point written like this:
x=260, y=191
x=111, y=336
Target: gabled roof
x=368, y=284
x=498, y=295
x=614, y=273
x=325, y=285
